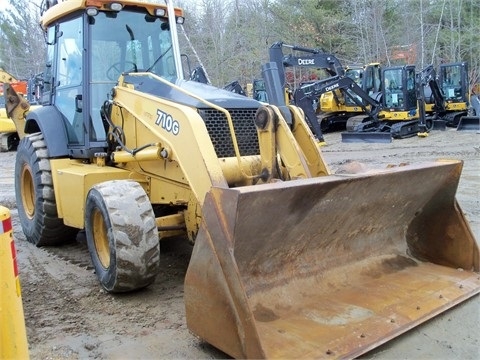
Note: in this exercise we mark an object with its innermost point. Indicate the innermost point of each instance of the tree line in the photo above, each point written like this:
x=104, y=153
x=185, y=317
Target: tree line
x=231, y=38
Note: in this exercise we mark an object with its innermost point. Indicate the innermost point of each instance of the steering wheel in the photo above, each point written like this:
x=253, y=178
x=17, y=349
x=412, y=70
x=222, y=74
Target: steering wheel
x=114, y=71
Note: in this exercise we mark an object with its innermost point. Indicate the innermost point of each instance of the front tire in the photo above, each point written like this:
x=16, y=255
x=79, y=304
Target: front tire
x=122, y=235
x=37, y=208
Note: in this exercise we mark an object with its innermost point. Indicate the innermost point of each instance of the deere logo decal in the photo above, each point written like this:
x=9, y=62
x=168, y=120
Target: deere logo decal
x=306, y=62
x=331, y=87
x=166, y=121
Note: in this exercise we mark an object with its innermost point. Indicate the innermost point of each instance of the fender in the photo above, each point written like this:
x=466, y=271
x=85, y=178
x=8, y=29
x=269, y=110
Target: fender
x=49, y=121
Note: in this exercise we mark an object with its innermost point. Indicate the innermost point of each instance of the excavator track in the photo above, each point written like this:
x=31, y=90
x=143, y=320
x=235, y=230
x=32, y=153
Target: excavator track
x=332, y=122
x=354, y=121
x=363, y=128
x=402, y=130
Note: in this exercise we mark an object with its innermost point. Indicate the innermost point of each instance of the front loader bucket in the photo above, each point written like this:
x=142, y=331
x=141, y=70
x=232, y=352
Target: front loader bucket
x=469, y=123
x=329, y=267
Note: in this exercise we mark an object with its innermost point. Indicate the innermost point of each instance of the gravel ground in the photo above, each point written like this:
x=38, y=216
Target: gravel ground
x=68, y=316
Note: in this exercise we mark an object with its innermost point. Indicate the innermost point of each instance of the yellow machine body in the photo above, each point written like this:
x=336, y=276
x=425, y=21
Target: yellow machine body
x=6, y=124
x=13, y=335
x=329, y=104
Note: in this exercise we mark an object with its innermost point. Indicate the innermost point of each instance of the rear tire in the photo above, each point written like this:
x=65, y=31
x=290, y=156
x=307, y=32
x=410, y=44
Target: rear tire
x=122, y=235
x=37, y=208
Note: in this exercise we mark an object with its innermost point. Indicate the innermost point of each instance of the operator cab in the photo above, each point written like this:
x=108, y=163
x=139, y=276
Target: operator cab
x=399, y=85
x=88, y=51
x=368, y=78
x=454, y=82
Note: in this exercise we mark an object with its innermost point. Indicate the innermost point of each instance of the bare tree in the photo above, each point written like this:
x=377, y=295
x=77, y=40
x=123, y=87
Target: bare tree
x=232, y=37
x=22, y=49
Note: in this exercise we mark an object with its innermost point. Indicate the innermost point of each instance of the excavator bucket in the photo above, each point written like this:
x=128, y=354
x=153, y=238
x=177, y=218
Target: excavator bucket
x=329, y=267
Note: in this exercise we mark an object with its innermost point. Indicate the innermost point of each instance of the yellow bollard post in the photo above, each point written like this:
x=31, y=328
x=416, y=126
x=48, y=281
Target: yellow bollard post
x=13, y=335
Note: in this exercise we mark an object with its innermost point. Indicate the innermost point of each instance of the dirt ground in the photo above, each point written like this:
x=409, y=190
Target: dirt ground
x=69, y=316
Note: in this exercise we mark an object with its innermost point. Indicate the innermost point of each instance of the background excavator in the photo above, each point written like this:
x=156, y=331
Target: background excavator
x=390, y=113
x=289, y=260
x=336, y=108
x=8, y=133
x=332, y=108
x=29, y=89
x=311, y=58
x=446, y=102
x=258, y=90
x=382, y=106
x=471, y=121
x=454, y=83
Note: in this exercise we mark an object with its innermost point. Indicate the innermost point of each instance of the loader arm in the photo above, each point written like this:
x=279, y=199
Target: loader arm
x=6, y=77
x=16, y=107
x=12, y=122
x=286, y=152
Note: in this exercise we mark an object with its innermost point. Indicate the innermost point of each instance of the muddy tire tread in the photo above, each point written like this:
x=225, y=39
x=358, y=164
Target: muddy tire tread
x=134, y=234
x=46, y=228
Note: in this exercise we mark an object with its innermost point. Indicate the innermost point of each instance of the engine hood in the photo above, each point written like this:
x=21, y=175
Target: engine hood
x=226, y=99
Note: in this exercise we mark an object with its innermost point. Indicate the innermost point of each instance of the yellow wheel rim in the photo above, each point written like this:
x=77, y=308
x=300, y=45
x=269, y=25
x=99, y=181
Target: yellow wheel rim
x=100, y=238
x=27, y=191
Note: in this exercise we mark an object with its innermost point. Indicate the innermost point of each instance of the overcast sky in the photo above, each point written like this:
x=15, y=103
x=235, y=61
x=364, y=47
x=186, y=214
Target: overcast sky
x=3, y=4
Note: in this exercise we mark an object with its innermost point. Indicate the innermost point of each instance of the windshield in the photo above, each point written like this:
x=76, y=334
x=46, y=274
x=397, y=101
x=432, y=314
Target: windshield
x=130, y=40
x=125, y=41
x=451, y=82
x=393, y=88
x=400, y=88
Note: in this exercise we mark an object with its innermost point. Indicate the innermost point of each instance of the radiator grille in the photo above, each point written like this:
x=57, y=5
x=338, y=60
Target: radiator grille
x=245, y=131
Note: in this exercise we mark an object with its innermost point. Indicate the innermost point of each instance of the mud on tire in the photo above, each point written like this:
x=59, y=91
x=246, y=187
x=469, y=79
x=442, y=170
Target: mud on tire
x=35, y=197
x=122, y=235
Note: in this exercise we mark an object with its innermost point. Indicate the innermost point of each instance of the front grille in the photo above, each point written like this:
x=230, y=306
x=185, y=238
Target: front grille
x=245, y=131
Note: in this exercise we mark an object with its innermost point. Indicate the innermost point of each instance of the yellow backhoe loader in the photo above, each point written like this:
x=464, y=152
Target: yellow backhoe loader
x=9, y=136
x=289, y=260
x=8, y=133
